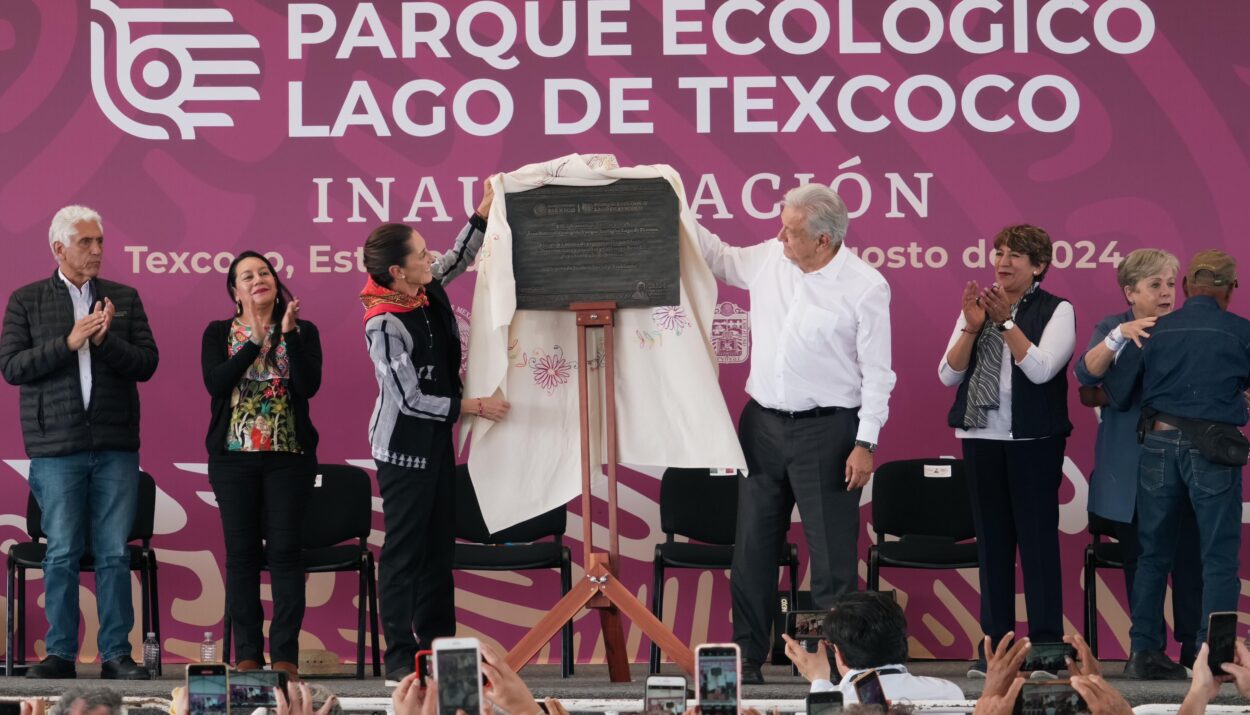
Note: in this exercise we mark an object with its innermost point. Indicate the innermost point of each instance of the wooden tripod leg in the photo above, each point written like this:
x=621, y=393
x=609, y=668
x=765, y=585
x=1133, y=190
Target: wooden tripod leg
x=652, y=626
x=614, y=645
x=547, y=627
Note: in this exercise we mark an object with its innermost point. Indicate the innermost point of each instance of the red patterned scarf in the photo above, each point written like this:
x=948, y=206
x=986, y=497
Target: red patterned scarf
x=378, y=300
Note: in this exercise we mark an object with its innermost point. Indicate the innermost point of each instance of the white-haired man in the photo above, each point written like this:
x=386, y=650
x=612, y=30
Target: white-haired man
x=77, y=345
x=820, y=386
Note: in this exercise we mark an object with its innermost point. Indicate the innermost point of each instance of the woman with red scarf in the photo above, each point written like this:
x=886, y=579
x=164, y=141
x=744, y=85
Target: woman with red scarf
x=414, y=343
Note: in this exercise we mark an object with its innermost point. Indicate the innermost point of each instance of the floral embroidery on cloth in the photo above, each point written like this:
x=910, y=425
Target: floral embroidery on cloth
x=261, y=418
x=671, y=317
x=550, y=370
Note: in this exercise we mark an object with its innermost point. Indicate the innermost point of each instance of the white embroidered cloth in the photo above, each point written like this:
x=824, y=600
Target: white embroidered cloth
x=670, y=410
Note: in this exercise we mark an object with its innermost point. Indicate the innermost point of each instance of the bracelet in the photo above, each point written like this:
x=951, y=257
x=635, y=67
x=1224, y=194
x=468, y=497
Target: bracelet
x=479, y=407
x=1115, y=340
x=970, y=332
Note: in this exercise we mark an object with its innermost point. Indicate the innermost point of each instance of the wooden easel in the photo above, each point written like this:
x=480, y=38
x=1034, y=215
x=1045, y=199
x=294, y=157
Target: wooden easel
x=600, y=589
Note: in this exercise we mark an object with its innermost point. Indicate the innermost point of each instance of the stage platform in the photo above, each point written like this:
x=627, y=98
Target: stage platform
x=591, y=684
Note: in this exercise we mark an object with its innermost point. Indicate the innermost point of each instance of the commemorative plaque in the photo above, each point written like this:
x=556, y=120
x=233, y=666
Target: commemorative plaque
x=617, y=242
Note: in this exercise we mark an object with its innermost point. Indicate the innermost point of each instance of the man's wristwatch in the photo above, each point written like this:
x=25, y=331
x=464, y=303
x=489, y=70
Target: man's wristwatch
x=1006, y=325
x=870, y=446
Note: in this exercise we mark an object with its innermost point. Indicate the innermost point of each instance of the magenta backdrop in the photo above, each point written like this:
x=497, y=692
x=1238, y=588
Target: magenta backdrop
x=1154, y=155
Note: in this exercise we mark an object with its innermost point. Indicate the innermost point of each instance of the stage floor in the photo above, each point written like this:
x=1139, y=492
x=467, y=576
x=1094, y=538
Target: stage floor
x=591, y=682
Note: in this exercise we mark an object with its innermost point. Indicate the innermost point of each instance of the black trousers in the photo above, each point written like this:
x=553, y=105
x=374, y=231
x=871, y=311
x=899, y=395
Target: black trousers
x=1186, y=577
x=261, y=497
x=414, y=574
x=792, y=461
x=1014, y=486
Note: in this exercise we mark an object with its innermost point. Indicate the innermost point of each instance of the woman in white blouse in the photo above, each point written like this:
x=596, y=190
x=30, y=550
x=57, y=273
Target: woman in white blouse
x=1008, y=357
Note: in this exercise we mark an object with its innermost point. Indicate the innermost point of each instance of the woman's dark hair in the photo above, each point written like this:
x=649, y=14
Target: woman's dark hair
x=868, y=629
x=1032, y=241
x=279, y=305
x=387, y=246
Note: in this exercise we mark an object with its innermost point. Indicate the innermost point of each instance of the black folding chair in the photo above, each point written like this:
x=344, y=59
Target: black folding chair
x=29, y=555
x=1099, y=554
x=517, y=548
x=340, y=509
x=703, y=508
x=925, y=503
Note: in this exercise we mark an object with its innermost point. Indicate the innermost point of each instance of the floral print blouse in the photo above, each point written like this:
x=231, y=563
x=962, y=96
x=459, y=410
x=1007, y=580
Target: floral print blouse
x=261, y=418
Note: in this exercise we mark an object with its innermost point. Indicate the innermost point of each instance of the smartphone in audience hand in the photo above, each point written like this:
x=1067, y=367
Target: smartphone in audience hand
x=208, y=689
x=828, y=702
x=255, y=689
x=665, y=695
x=868, y=689
x=719, y=669
x=458, y=670
x=423, y=667
x=11, y=708
x=1050, y=657
x=1221, y=639
x=1051, y=697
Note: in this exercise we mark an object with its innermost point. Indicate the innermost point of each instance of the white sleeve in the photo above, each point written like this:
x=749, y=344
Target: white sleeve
x=872, y=344
x=1053, y=351
x=731, y=264
x=948, y=375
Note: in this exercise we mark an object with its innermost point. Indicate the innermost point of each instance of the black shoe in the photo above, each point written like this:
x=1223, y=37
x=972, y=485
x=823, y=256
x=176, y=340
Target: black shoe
x=751, y=674
x=1153, y=665
x=52, y=667
x=123, y=667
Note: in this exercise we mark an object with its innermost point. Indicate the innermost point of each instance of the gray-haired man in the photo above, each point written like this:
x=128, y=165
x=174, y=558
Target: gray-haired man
x=77, y=345
x=820, y=386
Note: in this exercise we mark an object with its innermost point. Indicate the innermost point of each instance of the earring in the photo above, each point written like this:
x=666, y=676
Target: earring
x=238, y=307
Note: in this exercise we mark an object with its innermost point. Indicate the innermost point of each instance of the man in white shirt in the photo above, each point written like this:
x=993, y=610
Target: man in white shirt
x=820, y=385
x=866, y=631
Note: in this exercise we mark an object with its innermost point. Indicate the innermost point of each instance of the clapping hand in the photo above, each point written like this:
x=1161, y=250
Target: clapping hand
x=290, y=317
x=108, y=311
x=994, y=300
x=974, y=313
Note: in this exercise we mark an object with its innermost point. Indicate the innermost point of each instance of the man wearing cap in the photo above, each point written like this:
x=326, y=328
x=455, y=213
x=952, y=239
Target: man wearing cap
x=1192, y=371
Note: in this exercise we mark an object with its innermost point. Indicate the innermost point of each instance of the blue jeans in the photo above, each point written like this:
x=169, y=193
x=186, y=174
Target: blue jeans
x=1172, y=473
x=92, y=493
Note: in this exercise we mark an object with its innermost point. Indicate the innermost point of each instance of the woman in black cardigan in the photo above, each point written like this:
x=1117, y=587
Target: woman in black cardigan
x=261, y=367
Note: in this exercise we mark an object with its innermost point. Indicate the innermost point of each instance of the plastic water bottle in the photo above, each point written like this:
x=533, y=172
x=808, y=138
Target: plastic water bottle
x=208, y=649
x=151, y=653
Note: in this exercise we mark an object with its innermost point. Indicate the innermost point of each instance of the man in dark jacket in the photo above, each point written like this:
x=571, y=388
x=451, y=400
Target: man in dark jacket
x=1192, y=373
x=77, y=344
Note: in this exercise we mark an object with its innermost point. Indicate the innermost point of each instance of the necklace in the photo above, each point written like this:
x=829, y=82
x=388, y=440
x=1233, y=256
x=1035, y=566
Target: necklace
x=429, y=329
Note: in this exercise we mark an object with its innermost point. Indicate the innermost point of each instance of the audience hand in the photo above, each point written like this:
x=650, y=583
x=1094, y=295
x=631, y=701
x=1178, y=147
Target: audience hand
x=180, y=701
x=1239, y=668
x=409, y=697
x=1101, y=698
x=301, y=701
x=34, y=706
x=1085, y=663
x=812, y=666
x=555, y=707
x=506, y=689
x=1002, y=664
x=1000, y=703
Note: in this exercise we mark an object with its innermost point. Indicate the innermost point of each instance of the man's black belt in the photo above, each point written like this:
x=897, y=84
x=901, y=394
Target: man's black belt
x=803, y=414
